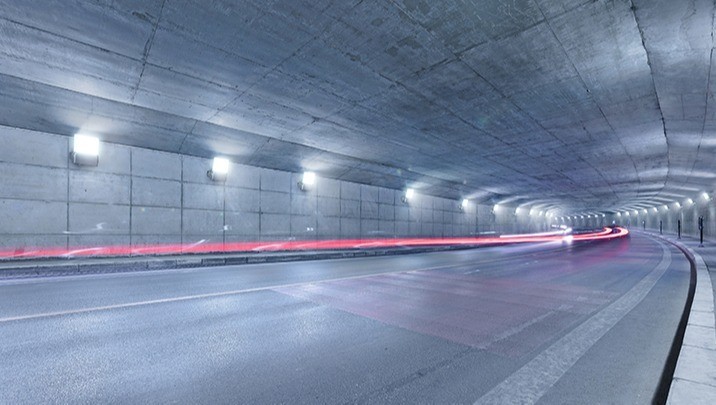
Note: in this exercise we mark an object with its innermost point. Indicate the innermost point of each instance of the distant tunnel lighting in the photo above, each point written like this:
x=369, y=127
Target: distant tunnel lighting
x=307, y=181
x=465, y=202
x=219, y=169
x=540, y=213
x=85, y=150
x=655, y=209
x=626, y=213
x=689, y=201
x=706, y=196
x=619, y=214
x=645, y=211
x=604, y=215
x=666, y=207
x=677, y=204
x=636, y=212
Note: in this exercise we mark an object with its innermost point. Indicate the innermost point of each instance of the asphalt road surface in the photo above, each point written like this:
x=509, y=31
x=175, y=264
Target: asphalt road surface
x=546, y=323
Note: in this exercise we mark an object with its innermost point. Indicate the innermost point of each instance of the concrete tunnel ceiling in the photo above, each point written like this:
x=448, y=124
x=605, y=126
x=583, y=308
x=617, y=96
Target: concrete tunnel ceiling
x=557, y=104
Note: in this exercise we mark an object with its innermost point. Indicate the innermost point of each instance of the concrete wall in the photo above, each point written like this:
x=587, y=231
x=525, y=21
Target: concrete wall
x=138, y=196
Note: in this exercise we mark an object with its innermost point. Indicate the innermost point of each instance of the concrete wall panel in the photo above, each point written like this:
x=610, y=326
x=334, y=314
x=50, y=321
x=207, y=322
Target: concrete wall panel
x=32, y=183
x=350, y=191
x=243, y=223
x=32, y=217
x=275, y=203
x=274, y=180
x=203, y=196
x=98, y=219
x=95, y=187
x=242, y=199
x=201, y=222
x=328, y=188
x=33, y=148
x=156, y=221
x=156, y=192
x=160, y=165
x=275, y=226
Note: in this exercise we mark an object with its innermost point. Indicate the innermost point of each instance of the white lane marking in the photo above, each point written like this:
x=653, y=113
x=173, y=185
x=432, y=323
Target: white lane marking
x=201, y=296
x=528, y=384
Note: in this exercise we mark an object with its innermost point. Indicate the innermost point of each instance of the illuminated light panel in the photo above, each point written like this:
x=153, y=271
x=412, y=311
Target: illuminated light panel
x=309, y=178
x=465, y=202
x=706, y=196
x=220, y=166
x=85, y=145
x=409, y=193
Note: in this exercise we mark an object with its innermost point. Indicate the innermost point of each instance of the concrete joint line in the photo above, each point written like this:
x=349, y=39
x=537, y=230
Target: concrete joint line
x=694, y=379
x=528, y=384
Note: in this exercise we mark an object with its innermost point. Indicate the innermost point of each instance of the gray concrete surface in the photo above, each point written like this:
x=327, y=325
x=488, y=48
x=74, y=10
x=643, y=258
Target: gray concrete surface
x=567, y=106
x=443, y=327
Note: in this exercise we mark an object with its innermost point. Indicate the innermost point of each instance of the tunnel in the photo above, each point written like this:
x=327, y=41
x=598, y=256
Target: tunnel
x=357, y=201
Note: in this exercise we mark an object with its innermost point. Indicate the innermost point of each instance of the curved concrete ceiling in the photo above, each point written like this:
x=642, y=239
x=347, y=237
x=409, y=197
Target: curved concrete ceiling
x=573, y=105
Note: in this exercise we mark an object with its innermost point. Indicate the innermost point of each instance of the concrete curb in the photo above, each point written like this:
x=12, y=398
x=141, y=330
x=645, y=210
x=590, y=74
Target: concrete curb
x=694, y=380
x=80, y=266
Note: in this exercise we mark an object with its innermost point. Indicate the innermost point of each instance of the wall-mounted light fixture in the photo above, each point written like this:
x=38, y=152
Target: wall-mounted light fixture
x=307, y=181
x=677, y=205
x=219, y=169
x=655, y=209
x=689, y=201
x=85, y=150
x=706, y=196
x=463, y=204
x=408, y=195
